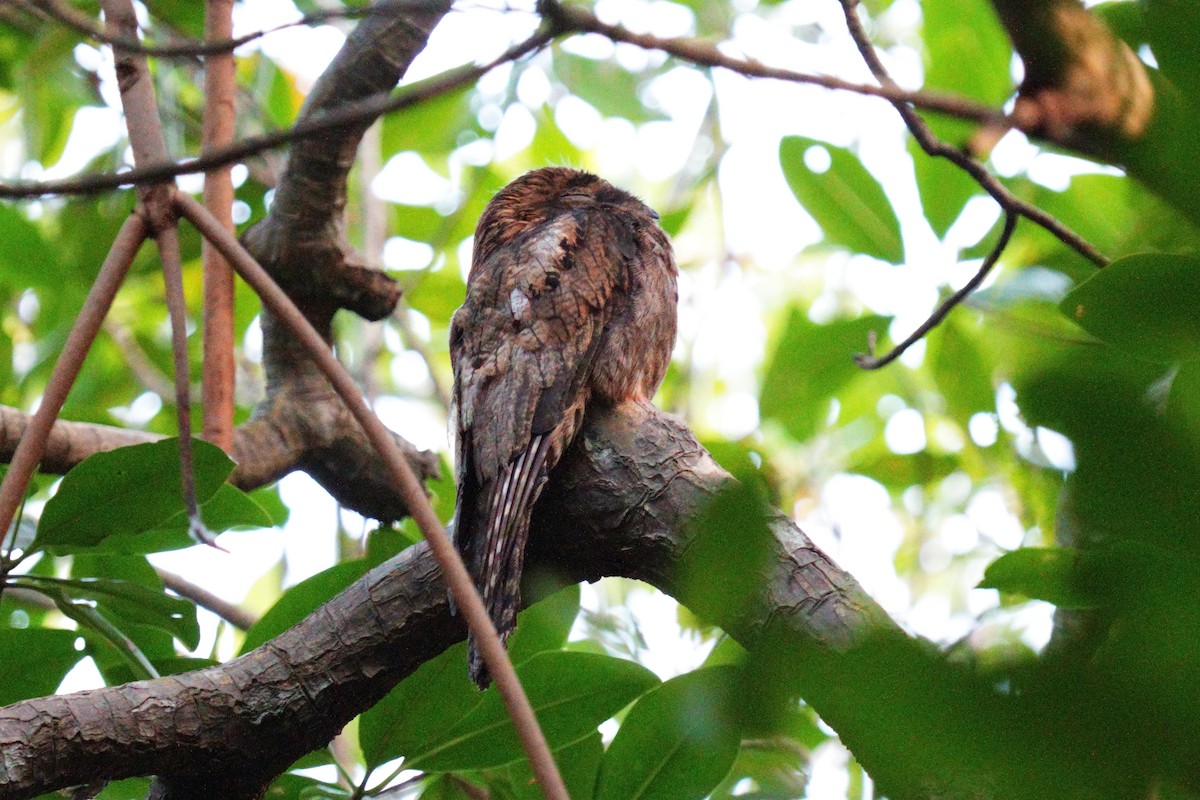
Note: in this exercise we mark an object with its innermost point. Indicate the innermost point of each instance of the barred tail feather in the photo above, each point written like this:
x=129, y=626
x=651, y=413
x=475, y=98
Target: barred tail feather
x=501, y=548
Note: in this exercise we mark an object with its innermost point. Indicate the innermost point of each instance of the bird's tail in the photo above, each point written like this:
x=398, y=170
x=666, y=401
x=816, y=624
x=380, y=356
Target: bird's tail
x=499, y=562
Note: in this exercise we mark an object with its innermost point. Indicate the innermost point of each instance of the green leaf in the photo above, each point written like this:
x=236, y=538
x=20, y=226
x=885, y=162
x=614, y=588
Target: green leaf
x=432, y=126
x=944, y=188
x=676, y=743
x=571, y=693
x=128, y=789
x=438, y=694
x=1143, y=305
x=578, y=764
x=958, y=33
x=723, y=565
x=130, y=602
x=810, y=365
x=604, y=85
x=26, y=259
x=125, y=491
x=35, y=662
x=301, y=600
x=228, y=508
x=420, y=709
x=1043, y=573
x=1171, y=26
x=544, y=625
x=845, y=200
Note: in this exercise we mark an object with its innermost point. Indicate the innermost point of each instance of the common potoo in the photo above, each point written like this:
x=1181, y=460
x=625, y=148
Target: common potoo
x=571, y=300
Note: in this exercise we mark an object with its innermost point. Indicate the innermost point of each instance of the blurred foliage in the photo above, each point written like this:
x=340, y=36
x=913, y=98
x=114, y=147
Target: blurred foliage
x=1041, y=444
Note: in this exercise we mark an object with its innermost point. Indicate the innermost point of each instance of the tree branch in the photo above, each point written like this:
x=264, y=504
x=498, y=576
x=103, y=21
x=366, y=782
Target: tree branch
x=622, y=501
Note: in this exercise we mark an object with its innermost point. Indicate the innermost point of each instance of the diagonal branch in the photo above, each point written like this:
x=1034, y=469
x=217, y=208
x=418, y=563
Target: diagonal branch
x=466, y=597
x=28, y=453
x=623, y=498
x=935, y=147
x=869, y=360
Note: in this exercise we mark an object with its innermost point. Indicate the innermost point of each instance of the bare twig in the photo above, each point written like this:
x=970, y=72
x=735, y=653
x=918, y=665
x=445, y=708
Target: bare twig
x=576, y=18
x=236, y=616
x=344, y=115
x=220, y=97
x=868, y=360
x=215, y=44
x=33, y=443
x=935, y=147
x=406, y=483
x=149, y=147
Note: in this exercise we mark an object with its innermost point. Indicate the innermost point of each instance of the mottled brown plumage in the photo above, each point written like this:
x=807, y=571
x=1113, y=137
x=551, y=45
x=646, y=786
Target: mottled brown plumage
x=571, y=299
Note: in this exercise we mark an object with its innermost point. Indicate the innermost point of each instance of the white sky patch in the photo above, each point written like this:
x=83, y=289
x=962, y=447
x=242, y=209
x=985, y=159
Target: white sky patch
x=407, y=179
x=905, y=432
x=405, y=254
x=855, y=524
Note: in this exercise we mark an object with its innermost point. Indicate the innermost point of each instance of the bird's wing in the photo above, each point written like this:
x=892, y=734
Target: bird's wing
x=521, y=347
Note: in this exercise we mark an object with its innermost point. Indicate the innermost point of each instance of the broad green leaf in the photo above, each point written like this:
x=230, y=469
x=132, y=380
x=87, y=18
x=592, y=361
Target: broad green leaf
x=811, y=363
x=301, y=600
x=958, y=33
x=571, y=693
x=676, y=743
x=1171, y=26
x=1143, y=305
x=35, y=661
x=544, y=625
x=845, y=200
x=944, y=188
x=228, y=508
x=438, y=693
x=418, y=711
x=1126, y=20
x=432, y=126
x=444, y=787
x=51, y=92
x=722, y=568
x=578, y=764
x=1043, y=573
x=124, y=491
x=605, y=85
x=27, y=258
x=130, y=602
x=128, y=789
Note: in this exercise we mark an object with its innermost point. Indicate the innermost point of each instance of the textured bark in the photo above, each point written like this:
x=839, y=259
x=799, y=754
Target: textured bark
x=619, y=504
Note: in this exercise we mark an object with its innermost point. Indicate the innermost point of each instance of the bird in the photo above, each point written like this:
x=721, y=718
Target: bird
x=571, y=301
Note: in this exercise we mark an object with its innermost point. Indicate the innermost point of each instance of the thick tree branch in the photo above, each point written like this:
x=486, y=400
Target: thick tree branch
x=623, y=498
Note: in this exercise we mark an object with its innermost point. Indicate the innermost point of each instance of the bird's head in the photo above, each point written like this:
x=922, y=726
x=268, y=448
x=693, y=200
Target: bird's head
x=537, y=197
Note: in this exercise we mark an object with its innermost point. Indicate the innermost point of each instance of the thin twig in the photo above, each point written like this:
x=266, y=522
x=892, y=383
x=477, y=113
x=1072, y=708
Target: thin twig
x=235, y=615
x=149, y=147
x=33, y=444
x=213, y=45
x=868, y=360
x=576, y=18
x=339, y=118
x=455, y=572
x=937, y=148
